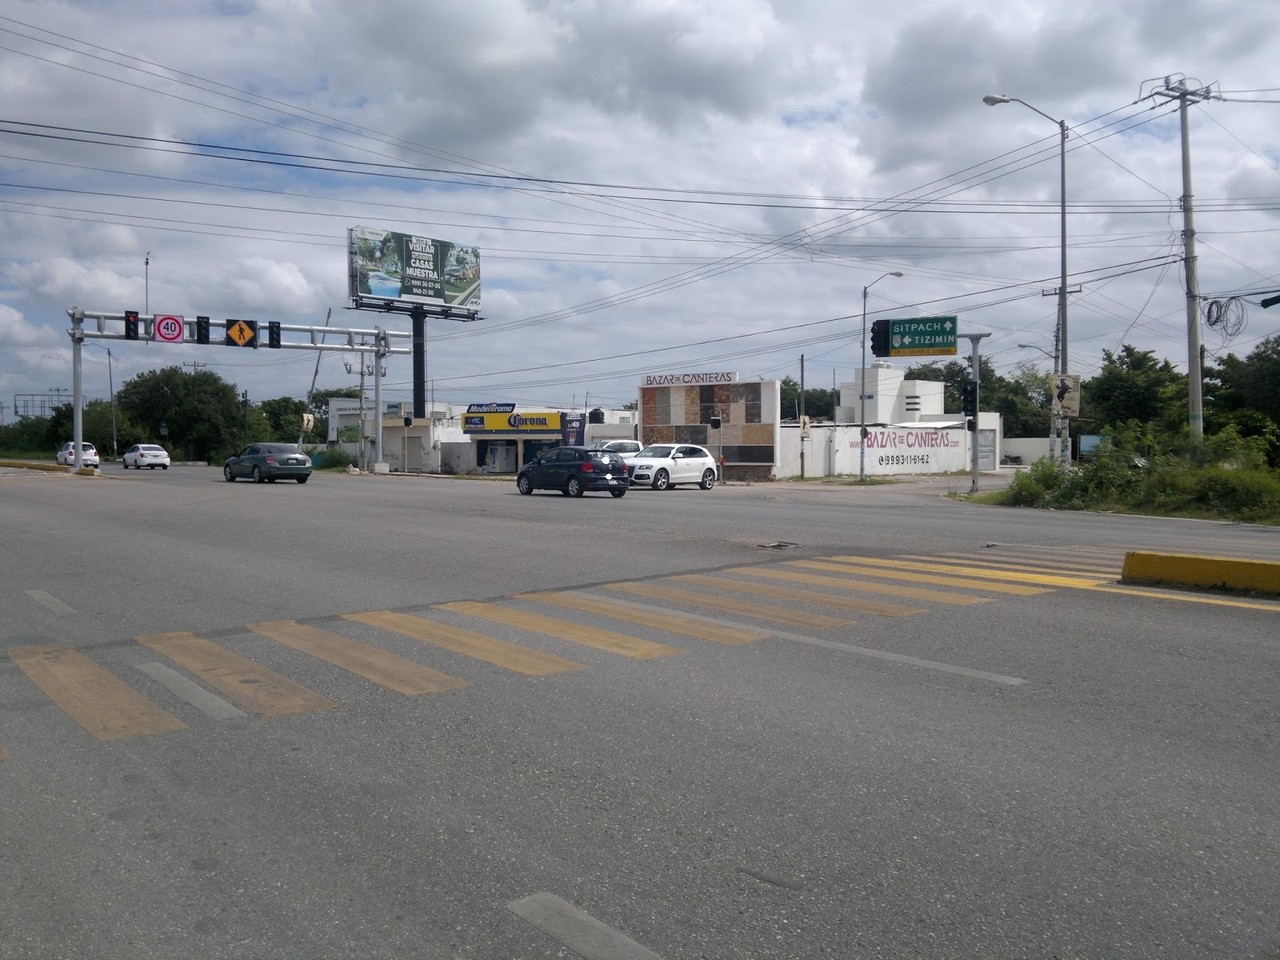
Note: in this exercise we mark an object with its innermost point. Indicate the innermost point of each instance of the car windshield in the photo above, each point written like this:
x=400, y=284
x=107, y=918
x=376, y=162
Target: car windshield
x=658, y=452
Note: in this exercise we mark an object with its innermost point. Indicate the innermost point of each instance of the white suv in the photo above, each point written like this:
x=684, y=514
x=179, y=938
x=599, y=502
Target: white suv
x=88, y=454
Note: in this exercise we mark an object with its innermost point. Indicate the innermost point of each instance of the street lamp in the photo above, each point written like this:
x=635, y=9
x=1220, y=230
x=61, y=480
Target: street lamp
x=992, y=100
x=862, y=381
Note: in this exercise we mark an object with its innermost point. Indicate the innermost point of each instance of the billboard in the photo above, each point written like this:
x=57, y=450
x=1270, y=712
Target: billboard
x=400, y=268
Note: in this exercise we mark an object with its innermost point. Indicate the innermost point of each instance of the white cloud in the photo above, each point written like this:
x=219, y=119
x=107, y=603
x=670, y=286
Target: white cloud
x=833, y=142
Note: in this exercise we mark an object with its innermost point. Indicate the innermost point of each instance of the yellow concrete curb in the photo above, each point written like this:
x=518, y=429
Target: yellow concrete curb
x=1189, y=570
x=51, y=468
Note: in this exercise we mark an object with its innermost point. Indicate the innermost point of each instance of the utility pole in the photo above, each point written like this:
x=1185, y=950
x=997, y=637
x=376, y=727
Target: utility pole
x=1178, y=90
x=314, y=375
x=111, y=386
x=802, y=431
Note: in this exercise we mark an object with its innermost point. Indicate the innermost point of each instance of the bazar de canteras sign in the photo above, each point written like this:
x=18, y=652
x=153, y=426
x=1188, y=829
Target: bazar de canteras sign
x=497, y=418
x=688, y=379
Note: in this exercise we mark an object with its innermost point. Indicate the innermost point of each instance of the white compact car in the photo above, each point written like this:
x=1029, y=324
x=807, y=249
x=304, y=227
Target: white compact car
x=88, y=454
x=663, y=465
x=146, y=455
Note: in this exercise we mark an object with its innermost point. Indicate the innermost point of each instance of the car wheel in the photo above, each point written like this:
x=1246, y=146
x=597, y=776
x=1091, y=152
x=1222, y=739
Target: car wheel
x=124, y=464
x=303, y=479
x=153, y=466
x=661, y=480
x=573, y=487
x=271, y=479
x=524, y=484
x=257, y=475
x=227, y=474
x=708, y=479
x=618, y=493
x=164, y=466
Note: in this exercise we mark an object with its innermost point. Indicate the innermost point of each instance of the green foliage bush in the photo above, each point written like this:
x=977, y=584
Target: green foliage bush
x=332, y=458
x=1170, y=486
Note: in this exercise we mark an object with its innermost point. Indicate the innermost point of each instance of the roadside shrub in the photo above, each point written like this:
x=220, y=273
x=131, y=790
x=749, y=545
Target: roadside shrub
x=332, y=458
x=1032, y=488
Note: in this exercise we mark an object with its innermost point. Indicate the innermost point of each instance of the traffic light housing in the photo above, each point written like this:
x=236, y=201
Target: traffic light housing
x=715, y=423
x=202, y=330
x=131, y=324
x=880, y=338
x=273, y=334
x=970, y=399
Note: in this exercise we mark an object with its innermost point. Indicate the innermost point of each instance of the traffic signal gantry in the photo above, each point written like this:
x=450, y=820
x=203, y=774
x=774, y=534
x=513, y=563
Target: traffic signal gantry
x=170, y=328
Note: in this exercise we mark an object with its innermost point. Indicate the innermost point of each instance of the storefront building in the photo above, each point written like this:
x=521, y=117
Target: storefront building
x=504, y=439
x=737, y=421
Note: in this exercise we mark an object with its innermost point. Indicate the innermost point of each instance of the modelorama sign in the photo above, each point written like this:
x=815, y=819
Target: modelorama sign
x=919, y=450
x=687, y=379
x=401, y=268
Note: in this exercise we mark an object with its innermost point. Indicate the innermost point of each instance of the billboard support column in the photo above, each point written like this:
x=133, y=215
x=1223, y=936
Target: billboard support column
x=419, y=317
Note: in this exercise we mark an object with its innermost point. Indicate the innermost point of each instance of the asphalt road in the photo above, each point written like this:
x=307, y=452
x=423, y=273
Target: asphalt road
x=389, y=717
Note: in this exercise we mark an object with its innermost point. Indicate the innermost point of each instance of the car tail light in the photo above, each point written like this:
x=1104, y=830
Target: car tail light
x=271, y=458
x=588, y=467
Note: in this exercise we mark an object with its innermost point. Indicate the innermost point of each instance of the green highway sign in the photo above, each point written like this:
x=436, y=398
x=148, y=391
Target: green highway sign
x=916, y=337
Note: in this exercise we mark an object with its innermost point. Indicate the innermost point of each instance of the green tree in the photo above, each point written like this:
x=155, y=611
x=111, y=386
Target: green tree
x=31, y=435
x=1134, y=385
x=954, y=374
x=283, y=417
x=197, y=414
x=1245, y=395
x=1022, y=400
x=819, y=404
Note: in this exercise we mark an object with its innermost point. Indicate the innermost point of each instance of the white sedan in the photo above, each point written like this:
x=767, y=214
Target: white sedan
x=146, y=455
x=663, y=465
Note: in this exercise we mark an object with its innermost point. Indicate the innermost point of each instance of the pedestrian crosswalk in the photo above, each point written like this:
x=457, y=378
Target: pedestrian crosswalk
x=447, y=648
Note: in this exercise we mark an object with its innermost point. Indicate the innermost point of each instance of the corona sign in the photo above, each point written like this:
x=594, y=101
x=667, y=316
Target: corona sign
x=510, y=423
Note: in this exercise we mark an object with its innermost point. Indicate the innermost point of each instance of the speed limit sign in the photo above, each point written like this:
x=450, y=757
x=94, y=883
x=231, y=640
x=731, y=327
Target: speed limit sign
x=169, y=329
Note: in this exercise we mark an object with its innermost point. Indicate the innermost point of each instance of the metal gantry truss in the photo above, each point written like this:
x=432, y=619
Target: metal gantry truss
x=375, y=340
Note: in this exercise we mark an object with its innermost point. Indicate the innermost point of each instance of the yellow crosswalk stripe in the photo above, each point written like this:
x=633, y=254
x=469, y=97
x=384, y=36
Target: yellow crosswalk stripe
x=747, y=608
x=847, y=565
x=849, y=582
x=385, y=669
x=814, y=597
x=589, y=635
x=468, y=643
x=257, y=688
x=962, y=569
x=659, y=619
x=103, y=704
x=1031, y=563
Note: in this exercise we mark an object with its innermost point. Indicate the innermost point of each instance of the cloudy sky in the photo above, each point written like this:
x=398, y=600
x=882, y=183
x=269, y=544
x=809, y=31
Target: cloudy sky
x=655, y=186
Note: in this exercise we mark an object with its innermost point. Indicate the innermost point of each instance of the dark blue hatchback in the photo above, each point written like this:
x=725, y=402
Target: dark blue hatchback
x=573, y=471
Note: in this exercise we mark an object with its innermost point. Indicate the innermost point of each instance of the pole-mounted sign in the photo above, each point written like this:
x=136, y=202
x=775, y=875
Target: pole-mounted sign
x=914, y=337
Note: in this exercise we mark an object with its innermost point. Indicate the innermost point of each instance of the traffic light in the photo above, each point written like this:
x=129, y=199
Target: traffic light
x=202, y=329
x=970, y=402
x=273, y=334
x=880, y=338
x=715, y=423
x=131, y=324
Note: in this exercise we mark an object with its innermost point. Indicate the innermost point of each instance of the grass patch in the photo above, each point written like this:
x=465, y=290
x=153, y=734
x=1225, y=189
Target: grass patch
x=1169, y=487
